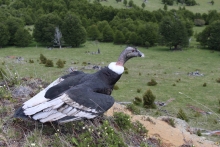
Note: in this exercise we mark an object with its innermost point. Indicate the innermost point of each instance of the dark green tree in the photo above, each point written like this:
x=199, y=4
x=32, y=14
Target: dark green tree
x=93, y=32
x=13, y=25
x=107, y=34
x=143, y=5
x=4, y=35
x=210, y=36
x=44, y=28
x=173, y=33
x=125, y=2
x=130, y=3
x=22, y=37
x=119, y=38
x=132, y=38
x=165, y=7
x=181, y=114
x=73, y=31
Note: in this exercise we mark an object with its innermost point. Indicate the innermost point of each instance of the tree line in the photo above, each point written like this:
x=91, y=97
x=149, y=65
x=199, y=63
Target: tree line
x=81, y=20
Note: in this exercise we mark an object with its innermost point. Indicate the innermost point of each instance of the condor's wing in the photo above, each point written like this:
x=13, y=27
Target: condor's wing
x=79, y=102
x=40, y=97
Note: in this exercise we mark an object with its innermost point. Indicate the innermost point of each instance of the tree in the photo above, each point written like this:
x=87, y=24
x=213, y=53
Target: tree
x=119, y=38
x=143, y=5
x=13, y=25
x=130, y=3
x=148, y=99
x=173, y=32
x=22, y=37
x=165, y=7
x=57, y=37
x=73, y=32
x=210, y=36
x=4, y=35
x=125, y=2
x=44, y=28
x=93, y=32
x=107, y=34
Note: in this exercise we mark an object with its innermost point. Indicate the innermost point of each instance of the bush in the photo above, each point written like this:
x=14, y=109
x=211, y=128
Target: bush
x=152, y=83
x=148, y=99
x=218, y=80
x=138, y=90
x=181, y=114
x=204, y=85
x=122, y=120
x=137, y=101
x=49, y=63
x=199, y=133
x=31, y=61
x=140, y=129
x=43, y=59
x=133, y=109
x=115, y=87
x=60, y=63
x=126, y=72
x=170, y=121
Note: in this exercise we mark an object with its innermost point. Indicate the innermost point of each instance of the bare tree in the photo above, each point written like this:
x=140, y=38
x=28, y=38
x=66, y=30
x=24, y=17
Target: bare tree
x=57, y=37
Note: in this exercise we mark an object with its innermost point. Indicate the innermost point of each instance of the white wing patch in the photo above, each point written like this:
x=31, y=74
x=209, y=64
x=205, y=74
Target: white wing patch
x=39, y=98
x=59, y=108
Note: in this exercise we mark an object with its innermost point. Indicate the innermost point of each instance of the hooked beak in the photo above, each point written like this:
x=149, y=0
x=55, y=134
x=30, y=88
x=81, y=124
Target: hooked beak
x=140, y=54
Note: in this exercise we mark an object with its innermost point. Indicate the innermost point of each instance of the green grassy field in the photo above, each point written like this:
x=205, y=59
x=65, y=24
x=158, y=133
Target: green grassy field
x=168, y=68
x=152, y=5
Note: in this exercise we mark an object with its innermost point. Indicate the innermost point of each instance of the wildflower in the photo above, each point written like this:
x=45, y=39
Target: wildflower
x=83, y=128
x=32, y=144
x=105, y=128
x=106, y=133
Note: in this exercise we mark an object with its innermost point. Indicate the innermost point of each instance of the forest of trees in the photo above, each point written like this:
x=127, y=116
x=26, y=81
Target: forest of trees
x=80, y=20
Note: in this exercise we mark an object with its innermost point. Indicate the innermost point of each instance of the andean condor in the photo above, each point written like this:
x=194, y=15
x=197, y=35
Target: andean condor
x=77, y=95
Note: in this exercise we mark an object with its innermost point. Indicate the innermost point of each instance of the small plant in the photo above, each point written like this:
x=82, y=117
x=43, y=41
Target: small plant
x=197, y=114
x=125, y=68
x=126, y=72
x=139, y=74
x=60, y=64
x=138, y=90
x=178, y=80
x=139, y=128
x=133, y=109
x=218, y=80
x=174, y=84
x=5, y=93
x=170, y=121
x=181, y=114
x=152, y=83
x=84, y=63
x=31, y=61
x=204, y=85
x=148, y=99
x=122, y=120
x=49, y=63
x=115, y=87
x=137, y=101
x=43, y=59
x=199, y=133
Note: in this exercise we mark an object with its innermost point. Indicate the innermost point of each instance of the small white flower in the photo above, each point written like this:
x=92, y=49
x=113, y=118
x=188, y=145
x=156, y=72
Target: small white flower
x=58, y=130
x=105, y=128
x=106, y=133
x=15, y=73
x=180, y=93
x=83, y=128
x=32, y=144
x=99, y=133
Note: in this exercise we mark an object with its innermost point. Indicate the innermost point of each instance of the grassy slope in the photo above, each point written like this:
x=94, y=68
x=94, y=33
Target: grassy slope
x=164, y=66
x=151, y=5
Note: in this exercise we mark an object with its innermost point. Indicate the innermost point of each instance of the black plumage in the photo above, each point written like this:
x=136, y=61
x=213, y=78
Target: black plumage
x=77, y=95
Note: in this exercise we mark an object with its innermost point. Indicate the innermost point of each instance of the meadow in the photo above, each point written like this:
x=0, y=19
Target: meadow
x=151, y=5
x=169, y=68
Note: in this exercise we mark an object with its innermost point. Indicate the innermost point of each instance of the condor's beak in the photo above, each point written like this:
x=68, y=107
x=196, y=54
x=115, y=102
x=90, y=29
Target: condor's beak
x=140, y=54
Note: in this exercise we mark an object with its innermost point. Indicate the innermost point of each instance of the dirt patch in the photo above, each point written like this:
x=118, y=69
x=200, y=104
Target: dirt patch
x=169, y=136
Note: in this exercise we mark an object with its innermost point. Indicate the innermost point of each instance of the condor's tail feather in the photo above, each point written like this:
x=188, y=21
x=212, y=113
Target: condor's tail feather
x=20, y=114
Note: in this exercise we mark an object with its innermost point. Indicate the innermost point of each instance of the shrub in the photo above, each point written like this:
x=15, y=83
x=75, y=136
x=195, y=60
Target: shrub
x=60, y=64
x=137, y=101
x=174, y=84
x=181, y=114
x=199, y=133
x=148, y=99
x=133, y=109
x=139, y=74
x=152, y=83
x=139, y=128
x=31, y=61
x=170, y=121
x=204, y=85
x=43, y=59
x=138, y=90
x=122, y=120
x=84, y=63
x=218, y=80
x=49, y=63
x=126, y=72
x=115, y=87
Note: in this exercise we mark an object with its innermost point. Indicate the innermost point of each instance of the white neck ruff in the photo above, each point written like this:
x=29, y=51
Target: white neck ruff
x=116, y=68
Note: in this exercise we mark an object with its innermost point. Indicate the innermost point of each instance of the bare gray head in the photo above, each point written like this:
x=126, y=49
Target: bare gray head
x=127, y=54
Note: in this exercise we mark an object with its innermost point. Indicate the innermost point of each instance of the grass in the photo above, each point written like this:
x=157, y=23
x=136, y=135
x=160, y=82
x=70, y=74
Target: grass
x=159, y=63
x=152, y=5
